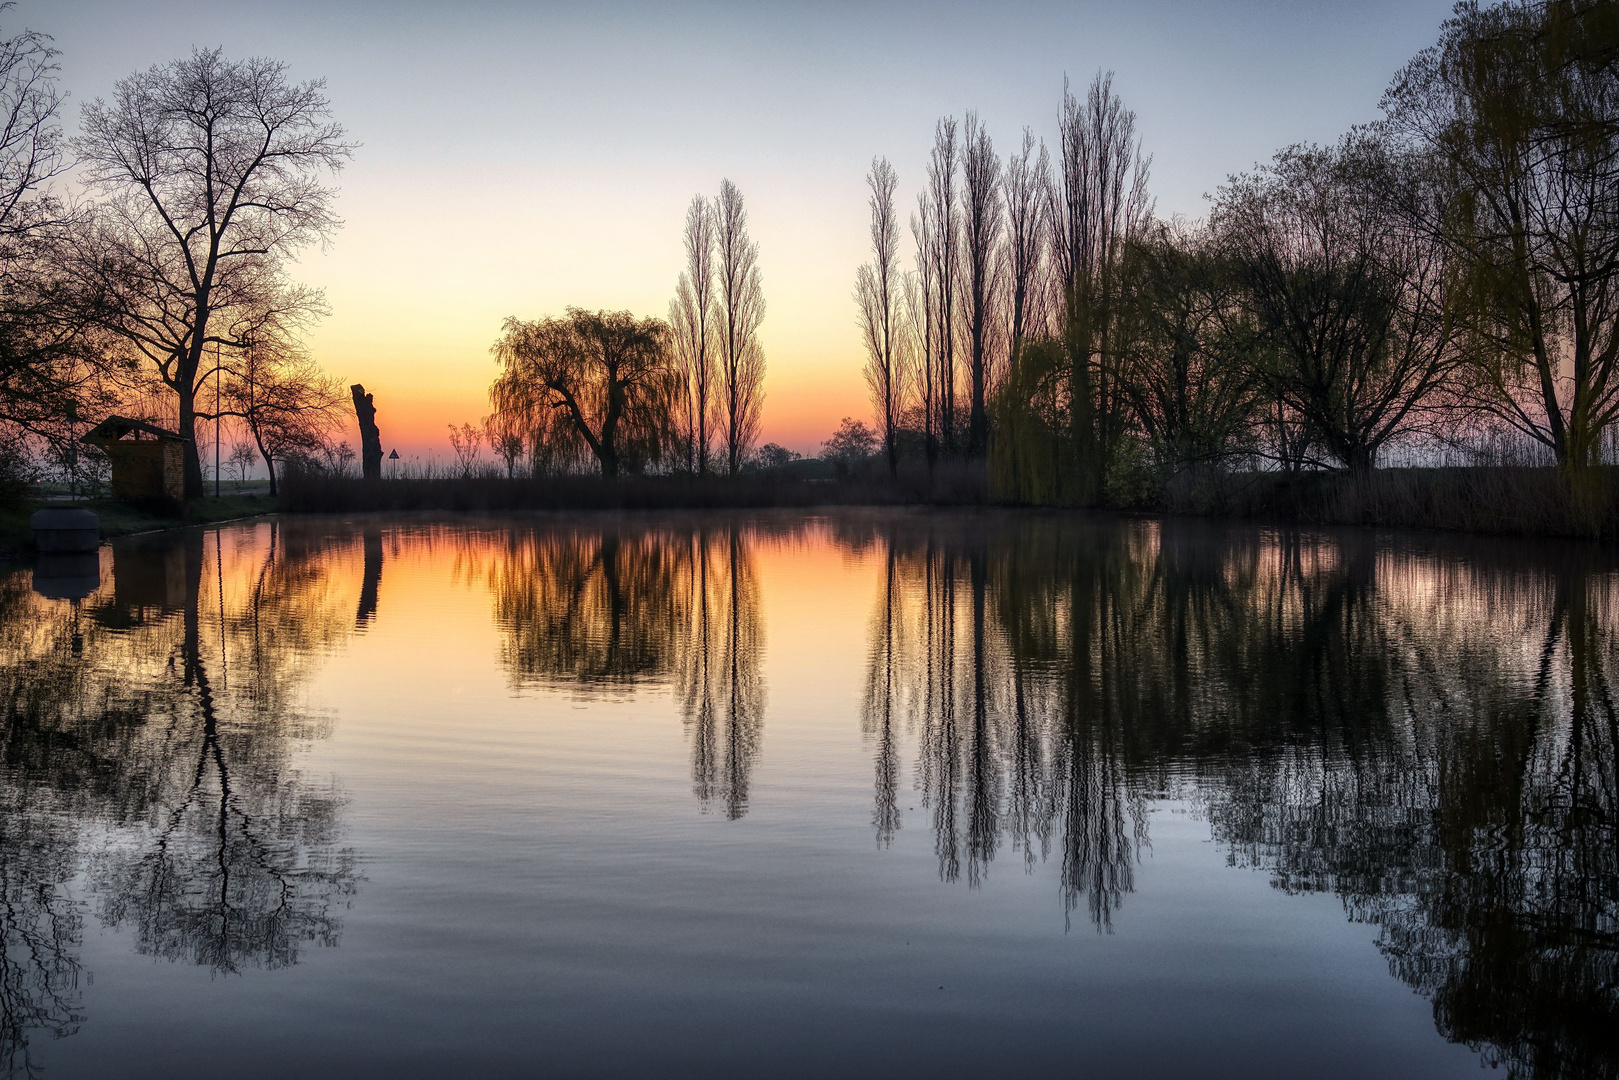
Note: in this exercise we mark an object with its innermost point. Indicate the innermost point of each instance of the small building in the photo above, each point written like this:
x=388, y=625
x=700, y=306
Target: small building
x=148, y=462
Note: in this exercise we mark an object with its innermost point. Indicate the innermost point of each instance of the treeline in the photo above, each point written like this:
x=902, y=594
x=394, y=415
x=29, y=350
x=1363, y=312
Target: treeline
x=1443, y=283
x=158, y=286
x=603, y=390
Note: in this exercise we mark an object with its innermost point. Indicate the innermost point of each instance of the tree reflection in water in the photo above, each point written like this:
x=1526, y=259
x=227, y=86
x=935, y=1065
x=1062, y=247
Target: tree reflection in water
x=722, y=694
x=610, y=607
x=974, y=655
x=1426, y=730
x=158, y=763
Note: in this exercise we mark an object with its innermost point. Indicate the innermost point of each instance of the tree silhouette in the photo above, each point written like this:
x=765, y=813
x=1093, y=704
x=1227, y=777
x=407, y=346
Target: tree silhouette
x=209, y=175
x=741, y=301
x=606, y=373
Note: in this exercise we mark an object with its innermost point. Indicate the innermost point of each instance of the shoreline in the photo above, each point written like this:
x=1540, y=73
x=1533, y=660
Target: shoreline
x=1505, y=501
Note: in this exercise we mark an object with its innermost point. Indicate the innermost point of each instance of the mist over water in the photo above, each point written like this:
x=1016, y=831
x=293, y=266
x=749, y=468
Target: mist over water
x=873, y=793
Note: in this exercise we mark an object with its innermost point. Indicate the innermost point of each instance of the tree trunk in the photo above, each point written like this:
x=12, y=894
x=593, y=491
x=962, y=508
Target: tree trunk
x=371, y=579
x=370, y=437
x=978, y=418
x=188, y=432
x=1362, y=460
x=269, y=463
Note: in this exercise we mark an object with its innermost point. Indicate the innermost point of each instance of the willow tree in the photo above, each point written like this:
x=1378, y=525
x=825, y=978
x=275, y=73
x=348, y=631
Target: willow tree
x=209, y=173
x=606, y=376
x=1518, y=105
x=1193, y=390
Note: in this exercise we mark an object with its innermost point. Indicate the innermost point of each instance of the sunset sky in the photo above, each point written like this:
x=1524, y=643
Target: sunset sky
x=519, y=158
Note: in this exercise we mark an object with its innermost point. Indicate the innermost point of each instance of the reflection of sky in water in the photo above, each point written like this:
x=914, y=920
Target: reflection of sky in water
x=871, y=793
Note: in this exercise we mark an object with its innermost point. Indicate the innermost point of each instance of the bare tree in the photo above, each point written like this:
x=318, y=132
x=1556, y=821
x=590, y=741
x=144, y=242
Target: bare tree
x=923, y=308
x=1027, y=179
x=877, y=295
x=47, y=365
x=983, y=219
x=287, y=403
x=741, y=310
x=465, y=441
x=242, y=456
x=1098, y=202
x=693, y=318
x=209, y=171
x=944, y=226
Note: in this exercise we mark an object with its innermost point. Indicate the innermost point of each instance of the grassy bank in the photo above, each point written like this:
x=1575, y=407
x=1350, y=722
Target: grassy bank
x=953, y=486
x=1500, y=500
x=122, y=519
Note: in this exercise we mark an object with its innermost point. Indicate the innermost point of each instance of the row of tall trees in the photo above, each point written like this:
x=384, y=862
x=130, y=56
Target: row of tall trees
x=1443, y=276
x=201, y=179
x=718, y=306
x=1005, y=253
x=608, y=390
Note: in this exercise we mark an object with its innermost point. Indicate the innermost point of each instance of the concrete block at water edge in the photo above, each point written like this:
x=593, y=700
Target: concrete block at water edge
x=65, y=530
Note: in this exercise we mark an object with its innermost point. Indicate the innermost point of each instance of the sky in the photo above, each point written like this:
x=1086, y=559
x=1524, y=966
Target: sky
x=516, y=159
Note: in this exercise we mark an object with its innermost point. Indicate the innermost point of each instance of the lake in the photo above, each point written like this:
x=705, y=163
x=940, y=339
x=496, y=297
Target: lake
x=859, y=793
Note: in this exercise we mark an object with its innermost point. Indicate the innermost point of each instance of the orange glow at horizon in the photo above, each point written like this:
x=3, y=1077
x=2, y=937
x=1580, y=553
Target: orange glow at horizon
x=515, y=159
x=413, y=317
x=417, y=401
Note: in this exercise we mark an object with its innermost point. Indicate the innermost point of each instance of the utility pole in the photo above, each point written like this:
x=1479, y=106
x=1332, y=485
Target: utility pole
x=216, y=419
x=73, y=448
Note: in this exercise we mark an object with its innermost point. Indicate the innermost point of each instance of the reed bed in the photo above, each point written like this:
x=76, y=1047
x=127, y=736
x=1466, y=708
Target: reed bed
x=1507, y=500
x=1510, y=500
x=318, y=493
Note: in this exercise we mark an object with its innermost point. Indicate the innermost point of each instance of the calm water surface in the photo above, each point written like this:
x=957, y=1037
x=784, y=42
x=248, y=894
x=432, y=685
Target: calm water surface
x=857, y=794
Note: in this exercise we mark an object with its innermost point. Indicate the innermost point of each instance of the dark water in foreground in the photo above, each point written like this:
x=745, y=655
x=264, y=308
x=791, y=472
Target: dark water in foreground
x=853, y=794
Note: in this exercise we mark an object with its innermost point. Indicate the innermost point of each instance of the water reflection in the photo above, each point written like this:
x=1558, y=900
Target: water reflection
x=1428, y=731
x=613, y=606
x=722, y=693
x=1423, y=729
x=154, y=760
x=1009, y=676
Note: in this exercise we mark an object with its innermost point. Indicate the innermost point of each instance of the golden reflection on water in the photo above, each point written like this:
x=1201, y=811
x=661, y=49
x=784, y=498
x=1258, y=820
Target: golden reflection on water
x=1425, y=729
